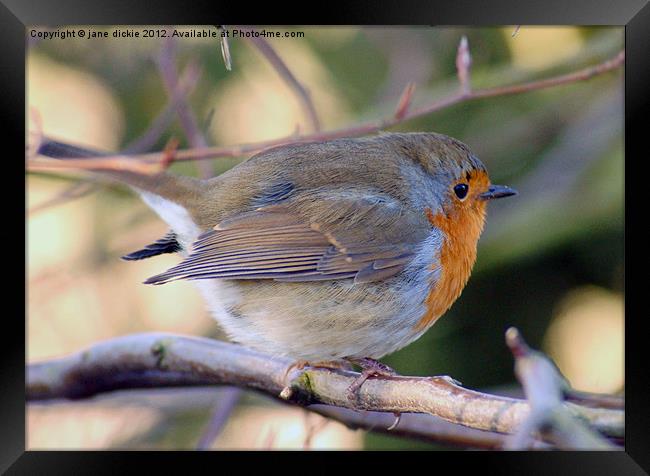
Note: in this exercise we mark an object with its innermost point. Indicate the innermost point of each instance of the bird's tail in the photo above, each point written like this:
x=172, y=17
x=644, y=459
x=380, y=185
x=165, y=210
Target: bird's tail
x=59, y=150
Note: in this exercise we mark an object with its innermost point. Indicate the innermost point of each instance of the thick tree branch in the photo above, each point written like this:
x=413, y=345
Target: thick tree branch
x=463, y=95
x=165, y=360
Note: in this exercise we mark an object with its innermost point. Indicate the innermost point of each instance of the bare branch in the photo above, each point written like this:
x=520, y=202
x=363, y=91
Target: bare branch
x=544, y=387
x=164, y=360
x=374, y=126
x=581, y=75
x=285, y=73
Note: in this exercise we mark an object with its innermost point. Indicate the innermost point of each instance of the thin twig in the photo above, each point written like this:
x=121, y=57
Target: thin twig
x=76, y=190
x=270, y=438
x=404, y=101
x=177, y=89
x=376, y=125
x=165, y=360
x=169, y=153
x=589, y=399
x=169, y=74
x=581, y=75
x=312, y=429
x=285, y=73
x=156, y=129
x=544, y=387
x=228, y=400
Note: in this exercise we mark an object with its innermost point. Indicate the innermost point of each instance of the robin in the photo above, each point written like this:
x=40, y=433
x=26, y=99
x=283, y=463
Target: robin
x=344, y=250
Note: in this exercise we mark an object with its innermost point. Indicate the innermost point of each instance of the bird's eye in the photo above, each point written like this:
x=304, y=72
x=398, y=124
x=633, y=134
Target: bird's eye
x=461, y=190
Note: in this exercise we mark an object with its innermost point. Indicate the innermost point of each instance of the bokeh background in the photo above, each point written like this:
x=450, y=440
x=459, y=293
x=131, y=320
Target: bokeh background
x=550, y=261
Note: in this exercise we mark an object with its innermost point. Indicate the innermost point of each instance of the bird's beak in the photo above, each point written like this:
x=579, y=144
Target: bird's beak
x=497, y=191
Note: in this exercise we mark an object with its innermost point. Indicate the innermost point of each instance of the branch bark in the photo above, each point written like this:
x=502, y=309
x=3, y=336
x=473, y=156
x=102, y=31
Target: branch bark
x=166, y=360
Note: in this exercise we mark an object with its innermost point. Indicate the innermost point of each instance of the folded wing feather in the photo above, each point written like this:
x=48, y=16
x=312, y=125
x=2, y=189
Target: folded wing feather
x=276, y=242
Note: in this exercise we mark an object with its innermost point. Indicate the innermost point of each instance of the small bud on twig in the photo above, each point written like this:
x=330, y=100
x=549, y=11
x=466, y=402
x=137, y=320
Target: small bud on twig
x=516, y=343
x=286, y=393
x=169, y=153
x=404, y=101
x=463, y=63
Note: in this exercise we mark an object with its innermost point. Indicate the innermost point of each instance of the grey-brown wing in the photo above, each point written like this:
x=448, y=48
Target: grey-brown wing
x=276, y=242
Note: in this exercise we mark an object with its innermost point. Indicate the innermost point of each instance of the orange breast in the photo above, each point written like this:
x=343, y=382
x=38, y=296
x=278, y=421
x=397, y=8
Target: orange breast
x=461, y=229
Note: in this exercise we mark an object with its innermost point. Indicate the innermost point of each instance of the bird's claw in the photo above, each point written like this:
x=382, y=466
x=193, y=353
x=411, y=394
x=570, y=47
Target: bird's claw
x=326, y=364
x=298, y=365
x=369, y=368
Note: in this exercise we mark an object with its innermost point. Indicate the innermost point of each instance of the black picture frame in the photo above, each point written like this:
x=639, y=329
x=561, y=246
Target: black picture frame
x=633, y=14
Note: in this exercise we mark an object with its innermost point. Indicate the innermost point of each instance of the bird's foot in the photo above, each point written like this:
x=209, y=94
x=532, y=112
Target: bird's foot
x=369, y=368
